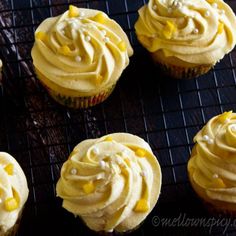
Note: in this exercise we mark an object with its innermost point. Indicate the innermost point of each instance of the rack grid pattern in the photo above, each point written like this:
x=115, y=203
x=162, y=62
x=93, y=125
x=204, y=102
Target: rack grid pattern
x=167, y=113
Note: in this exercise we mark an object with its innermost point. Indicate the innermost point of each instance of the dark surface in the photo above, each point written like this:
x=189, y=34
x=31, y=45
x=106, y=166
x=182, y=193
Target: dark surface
x=167, y=113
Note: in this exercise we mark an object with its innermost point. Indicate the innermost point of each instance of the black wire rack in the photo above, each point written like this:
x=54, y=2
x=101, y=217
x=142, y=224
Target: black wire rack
x=167, y=113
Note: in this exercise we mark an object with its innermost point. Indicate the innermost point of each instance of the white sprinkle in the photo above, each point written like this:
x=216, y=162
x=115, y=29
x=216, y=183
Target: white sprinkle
x=110, y=230
x=78, y=58
x=222, y=12
x=169, y=10
x=227, y=120
x=82, y=14
x=118, y=160
x=179, y=4
x=210, y=141
x=207, y=13
x=106, y=39
x=95, y=151
x=35, y=122
x=205, y=138
x=144, y=173
x=154, y=7
x=215, y=5
x=73, y=24
x=102, y=164
x=215, y=176
x=73, y=171
x=104, y=32
x=195, y=31
x=87, y=38
x=125, y=152
x=233, y=127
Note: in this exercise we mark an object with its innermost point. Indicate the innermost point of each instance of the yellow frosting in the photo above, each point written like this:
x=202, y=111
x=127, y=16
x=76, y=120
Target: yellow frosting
x=82, y=52
x=108, y=185
x=194, y=31
x=212, y=166
x=13, y=191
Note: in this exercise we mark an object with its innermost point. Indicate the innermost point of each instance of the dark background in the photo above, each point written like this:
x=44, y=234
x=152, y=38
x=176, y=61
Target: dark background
x=167, y=113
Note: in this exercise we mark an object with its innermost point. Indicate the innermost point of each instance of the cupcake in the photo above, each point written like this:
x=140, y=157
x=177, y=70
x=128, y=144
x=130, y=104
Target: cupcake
x=186, y=38
x=112, y=183
x=212, y=165
x=13, y=194
x=79, y=56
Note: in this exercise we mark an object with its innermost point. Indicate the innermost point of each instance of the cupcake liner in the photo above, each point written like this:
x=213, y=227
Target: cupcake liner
x=76, y=102
x=80, y=102
x=179, y=72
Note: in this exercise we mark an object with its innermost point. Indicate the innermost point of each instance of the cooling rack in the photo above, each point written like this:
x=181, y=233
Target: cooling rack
x=167, y=113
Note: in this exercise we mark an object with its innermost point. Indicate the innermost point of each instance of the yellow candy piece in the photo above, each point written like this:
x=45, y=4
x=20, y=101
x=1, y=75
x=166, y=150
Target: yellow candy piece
x=89, y=187
x=122, y=46
x=169, y=29
x=141, y=206
x=223, y=117
x=218, y=183
x=65, y=50
x=220, y=28
x=108, y=138
x=100, y=18
x=211, y=1
x=9, y=169
x=140, y=152
x=11, y=204
x=41, y=36
x=73, y=11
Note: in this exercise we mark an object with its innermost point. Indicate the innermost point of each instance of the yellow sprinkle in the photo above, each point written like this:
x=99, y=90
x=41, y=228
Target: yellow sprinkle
x=11, y=204
x=140, y=152
x=141, y=206
x=127, y=161
x=226, y=115
x=108, y=138
x=169, y=29
x=73, y=11
x=89, y=187
x=9, y=169
x=41, y=36
x=218, y=183
x=220, y=28
x=100, y=18
x=211, y=1
x=16, y=196
x=65, y=50
x=122, y=46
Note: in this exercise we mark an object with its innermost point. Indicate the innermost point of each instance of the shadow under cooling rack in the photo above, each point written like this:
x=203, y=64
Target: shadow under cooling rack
x=167, y=113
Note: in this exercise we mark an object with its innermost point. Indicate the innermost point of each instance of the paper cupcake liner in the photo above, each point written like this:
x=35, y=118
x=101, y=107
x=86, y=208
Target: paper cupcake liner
x=80, y=102
x=178, y=72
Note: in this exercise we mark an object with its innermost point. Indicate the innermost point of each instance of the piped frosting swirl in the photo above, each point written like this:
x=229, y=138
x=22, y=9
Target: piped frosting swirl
x=194, y=31
x=112, y=182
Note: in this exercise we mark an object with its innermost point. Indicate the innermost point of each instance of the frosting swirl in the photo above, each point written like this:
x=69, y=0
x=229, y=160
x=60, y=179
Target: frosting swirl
x=212, y=166
x=112, y=182
x=197, y=32
x=13, y=191
x=82, y=50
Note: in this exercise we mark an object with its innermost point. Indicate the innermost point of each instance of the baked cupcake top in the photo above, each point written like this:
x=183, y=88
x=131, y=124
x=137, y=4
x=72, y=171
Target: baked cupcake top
x=13, y=191
x=112, y=182
x=82, y=50
x=194, y=31
x=213, y=162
